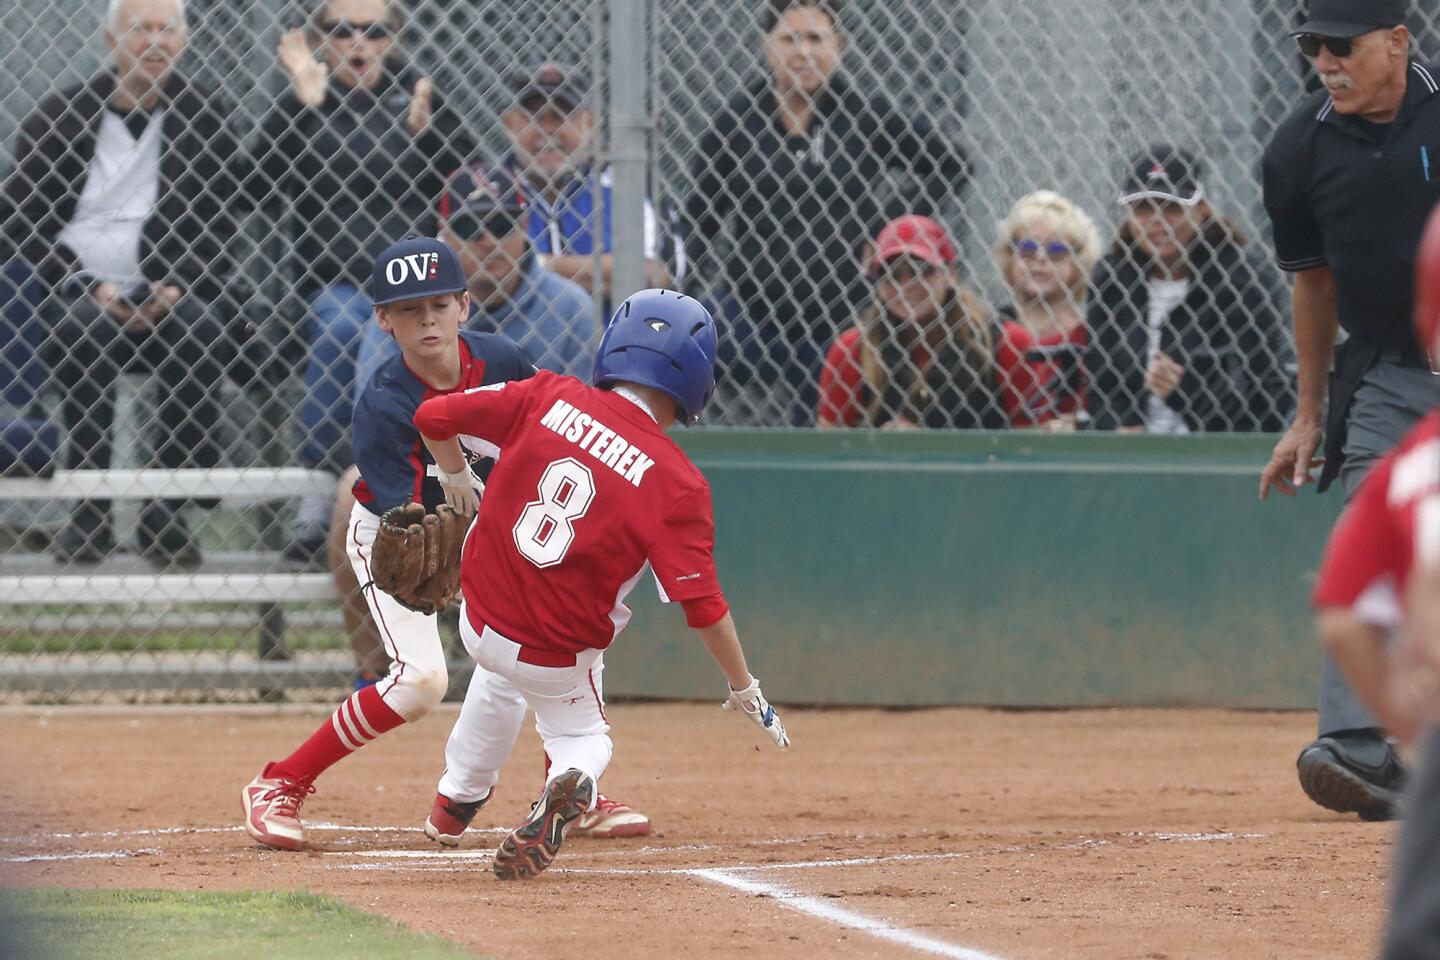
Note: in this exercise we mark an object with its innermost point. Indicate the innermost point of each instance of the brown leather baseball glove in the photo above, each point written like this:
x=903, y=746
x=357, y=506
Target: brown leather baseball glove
x=416, y=556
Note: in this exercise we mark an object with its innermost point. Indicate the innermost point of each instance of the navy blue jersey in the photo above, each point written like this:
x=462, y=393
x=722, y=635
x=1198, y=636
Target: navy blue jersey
x=394, y=465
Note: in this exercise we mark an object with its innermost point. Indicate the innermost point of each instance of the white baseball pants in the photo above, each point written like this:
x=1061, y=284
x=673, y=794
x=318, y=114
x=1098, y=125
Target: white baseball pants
x=417, y=678
x=569, y=710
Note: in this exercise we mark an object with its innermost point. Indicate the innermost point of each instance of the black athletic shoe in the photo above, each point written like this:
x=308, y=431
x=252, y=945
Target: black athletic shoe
x=87, y=536
x=531, y=846
x=308, y=548
x=165, y=537
x=1333, y=774
x=85, y=539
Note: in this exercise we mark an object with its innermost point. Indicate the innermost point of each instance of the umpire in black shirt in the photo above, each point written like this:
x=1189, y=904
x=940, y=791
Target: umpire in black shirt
x=1350, y=179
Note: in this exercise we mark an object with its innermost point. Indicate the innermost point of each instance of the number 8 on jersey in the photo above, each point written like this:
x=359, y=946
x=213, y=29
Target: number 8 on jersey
x=546, y=528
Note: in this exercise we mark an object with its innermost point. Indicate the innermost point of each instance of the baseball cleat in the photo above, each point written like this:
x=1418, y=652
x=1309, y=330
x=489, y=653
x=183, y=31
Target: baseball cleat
x=610, y=819
x=272, y=809
x=531, y=846
x=1337, y=778
x=449, y=818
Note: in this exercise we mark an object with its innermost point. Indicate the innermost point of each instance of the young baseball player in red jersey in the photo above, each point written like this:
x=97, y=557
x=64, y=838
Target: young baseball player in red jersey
x=1378, y=600
x=587, y=491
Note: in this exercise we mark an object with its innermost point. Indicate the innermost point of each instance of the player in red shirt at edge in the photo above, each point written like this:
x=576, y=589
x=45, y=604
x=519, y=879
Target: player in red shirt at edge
x=1378, y=613
x=586, y=492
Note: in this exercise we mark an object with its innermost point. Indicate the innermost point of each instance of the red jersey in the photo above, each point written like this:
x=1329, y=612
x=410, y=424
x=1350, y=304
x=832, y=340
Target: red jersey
x=842, y=379
x=1394, y=518
x=1040, y=378
x=586, y=491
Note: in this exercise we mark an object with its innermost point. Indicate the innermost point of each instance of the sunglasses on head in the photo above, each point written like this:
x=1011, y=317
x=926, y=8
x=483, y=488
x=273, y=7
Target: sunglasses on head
x=1310, y=44
x=469, y=226
x=350, y=29
x=1033, y=249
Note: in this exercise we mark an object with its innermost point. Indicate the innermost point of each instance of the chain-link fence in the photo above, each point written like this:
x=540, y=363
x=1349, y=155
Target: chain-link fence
x=902, y=214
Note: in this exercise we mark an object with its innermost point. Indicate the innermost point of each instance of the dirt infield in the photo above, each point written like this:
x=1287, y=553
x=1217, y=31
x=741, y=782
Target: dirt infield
x=961, y=833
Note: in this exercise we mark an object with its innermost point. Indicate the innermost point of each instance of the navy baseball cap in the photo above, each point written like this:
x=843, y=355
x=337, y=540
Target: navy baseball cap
x=1344, y=19
x=475, y=190
x=551, y=83
x=1163, y=172
x=413, y=268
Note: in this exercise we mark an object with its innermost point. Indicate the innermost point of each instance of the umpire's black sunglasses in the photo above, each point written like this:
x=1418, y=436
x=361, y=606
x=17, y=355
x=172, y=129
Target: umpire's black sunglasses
x=1310, y=44
x=468, y=226
x=350, y=29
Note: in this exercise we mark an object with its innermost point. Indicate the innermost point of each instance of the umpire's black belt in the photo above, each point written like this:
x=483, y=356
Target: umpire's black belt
x=1406, y=357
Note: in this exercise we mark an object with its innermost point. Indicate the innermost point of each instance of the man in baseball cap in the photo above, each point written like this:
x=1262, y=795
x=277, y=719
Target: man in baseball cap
x=551, y=129
x=1347, y=19
x=415, y=268
x=1166, y=174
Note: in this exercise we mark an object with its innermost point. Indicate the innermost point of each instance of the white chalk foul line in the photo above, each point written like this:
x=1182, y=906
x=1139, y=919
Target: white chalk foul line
x=849, y=919
x=87, y=855
x=170, y=831
x=431, y=862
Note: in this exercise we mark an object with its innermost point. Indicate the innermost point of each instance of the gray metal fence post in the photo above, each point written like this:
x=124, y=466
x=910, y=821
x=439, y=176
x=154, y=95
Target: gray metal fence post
x=629, y=141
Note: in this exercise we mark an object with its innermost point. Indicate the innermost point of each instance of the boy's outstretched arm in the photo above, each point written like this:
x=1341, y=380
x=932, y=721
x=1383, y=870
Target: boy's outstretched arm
x=723, y=643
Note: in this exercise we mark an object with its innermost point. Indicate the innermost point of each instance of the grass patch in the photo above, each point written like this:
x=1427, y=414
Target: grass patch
x=145, y=924
x=164, y=641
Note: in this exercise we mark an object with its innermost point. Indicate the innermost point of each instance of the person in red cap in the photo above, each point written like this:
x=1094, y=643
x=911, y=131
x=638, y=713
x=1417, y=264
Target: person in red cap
x=1377, y=602
x=921, y=353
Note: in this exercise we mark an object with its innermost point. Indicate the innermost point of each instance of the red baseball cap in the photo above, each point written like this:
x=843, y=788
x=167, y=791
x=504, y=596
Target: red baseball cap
x=913, y=236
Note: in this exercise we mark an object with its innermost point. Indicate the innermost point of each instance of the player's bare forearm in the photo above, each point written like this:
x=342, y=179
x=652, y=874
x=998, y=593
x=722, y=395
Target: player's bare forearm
x=723, y=643
x=1317, y=322
x=447, y=453
x=1359, y=652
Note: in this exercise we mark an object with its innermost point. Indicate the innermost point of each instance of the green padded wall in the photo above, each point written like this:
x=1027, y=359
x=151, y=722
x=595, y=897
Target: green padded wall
x=1007, y=569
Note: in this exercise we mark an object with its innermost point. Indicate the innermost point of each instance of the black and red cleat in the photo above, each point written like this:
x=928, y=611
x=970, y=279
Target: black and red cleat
x=449, y=818
x=532, y=846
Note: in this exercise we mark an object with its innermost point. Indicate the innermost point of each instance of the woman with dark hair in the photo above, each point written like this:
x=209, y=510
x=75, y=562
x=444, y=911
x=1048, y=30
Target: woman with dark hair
x=921, y=352
x=1186, y=333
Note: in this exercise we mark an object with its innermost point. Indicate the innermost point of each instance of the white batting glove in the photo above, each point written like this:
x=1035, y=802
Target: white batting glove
x=463, y=490
x=754, y=705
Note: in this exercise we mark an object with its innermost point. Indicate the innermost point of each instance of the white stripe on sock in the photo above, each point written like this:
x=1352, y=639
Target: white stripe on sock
x=359, y=715
x=341, y=733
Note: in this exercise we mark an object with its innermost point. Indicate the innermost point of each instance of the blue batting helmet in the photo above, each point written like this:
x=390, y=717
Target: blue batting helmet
x=662, y=339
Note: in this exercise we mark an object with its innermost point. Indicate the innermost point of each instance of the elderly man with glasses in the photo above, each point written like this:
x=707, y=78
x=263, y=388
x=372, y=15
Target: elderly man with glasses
x=1350, y=179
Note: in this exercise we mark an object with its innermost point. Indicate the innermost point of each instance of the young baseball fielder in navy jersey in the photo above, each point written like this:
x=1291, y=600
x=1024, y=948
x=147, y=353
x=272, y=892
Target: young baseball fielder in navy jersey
x=587, y=492
x=420, y=299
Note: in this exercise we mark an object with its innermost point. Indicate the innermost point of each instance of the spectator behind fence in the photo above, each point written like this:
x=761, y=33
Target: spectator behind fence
x=804, y=168
x=119, y=198
x=1046, y=251
x=1349, y=181
x=1185, y=331
x=551, y=129
x=360, y=145
x=920, y=353
x=482, y=215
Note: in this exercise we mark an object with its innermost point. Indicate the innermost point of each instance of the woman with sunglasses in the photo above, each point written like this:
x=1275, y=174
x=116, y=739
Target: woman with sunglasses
x=1046, y=250
x=361, y=147
x=920, y=353
x=1186, y=333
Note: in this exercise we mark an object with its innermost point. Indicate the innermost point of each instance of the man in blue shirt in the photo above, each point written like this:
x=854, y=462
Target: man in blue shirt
x=553, y=319
x=550, y=126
